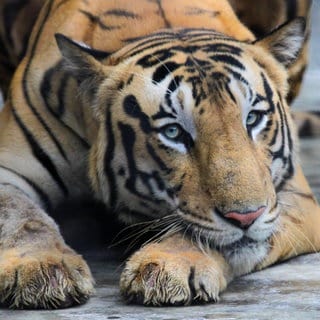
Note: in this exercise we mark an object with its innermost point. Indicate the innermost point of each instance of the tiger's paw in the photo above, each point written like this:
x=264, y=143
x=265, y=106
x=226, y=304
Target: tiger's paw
x=43, y=280
x=154, y=276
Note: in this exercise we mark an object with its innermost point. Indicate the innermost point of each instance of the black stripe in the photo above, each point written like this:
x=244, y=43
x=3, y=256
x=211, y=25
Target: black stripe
x=138, y=49
x=197, y=32
x=43, y=196
x=162, y=114
x=128, y=137
x=25, y=83
x=228, y=59
x=45, y=90
x=204, y=290
x=269, y=93
x=280, y=153
x=163, y=70
x=132, y=108
x=229, y=92
x=61, y=97
x=163, y=15
x=40, y=154
x=157, y=159
x=289, y=136
x=195, y=11
x=258, y=99
x=291, y=9
x=290, y=167
x=173, y=86
x=109, y=155
x=47, y=94
x=96, y=20
x=221, y=48
x=267, y=128
x=97, y=54
x=191, y=280
x=155, y=58
x=144, y=40
x=121, y=13
x=236, y=75
x=287, y=160
x=190, y=35
x=275, y=135
x=7, y=184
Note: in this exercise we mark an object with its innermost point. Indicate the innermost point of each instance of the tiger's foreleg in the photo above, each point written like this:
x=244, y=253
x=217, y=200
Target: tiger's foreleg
x=37, y=269
x=174, y=272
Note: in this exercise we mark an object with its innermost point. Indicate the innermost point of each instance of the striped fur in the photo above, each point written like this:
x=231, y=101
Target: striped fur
x=169, y=112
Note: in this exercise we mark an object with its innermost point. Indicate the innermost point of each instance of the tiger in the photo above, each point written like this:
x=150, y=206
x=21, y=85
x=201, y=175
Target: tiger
x=168, y=112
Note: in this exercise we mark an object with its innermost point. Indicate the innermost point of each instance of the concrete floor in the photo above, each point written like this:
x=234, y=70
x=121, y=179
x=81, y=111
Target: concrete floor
x=287, y=291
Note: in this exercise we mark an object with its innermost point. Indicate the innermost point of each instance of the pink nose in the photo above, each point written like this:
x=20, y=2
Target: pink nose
x=245, y=219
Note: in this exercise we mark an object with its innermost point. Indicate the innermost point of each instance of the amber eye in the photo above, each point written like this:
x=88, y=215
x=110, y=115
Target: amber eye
x=172, y=131
x=253, y=118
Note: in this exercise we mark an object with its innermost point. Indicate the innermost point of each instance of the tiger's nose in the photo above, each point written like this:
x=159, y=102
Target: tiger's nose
x=244, y=219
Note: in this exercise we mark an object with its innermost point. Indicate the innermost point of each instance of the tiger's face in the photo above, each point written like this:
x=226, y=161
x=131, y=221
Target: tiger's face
x=195, y=127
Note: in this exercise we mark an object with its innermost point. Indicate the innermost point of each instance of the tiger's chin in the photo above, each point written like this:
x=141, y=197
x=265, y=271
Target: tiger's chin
x=244, y=254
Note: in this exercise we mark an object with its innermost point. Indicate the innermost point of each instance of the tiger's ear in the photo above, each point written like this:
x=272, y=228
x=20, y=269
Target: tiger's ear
x=81, y=60
x=285, y=42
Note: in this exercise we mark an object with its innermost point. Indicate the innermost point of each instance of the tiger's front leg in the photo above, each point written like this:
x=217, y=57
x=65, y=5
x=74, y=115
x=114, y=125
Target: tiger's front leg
x=37, y=269
x=174, y=272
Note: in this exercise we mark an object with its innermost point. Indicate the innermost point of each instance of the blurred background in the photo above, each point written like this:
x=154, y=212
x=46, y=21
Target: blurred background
x=309, y=97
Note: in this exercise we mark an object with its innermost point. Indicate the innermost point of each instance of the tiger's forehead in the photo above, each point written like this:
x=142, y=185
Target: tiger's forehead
x=165, y=43
x=204, y=59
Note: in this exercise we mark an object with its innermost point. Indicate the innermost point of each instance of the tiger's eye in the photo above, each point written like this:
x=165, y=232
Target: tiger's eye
x=253, y=118
x=172, y=131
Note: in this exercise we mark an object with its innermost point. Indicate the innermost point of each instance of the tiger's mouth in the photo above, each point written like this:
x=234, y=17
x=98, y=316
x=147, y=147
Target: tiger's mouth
x=245, y=241
x=224, y=237
x=204, y=236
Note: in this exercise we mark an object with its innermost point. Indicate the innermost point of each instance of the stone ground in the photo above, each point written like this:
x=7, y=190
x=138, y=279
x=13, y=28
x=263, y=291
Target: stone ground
x=287, y=291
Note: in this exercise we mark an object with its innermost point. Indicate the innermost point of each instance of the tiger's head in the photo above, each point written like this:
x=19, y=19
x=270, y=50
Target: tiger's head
x=194, y=126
